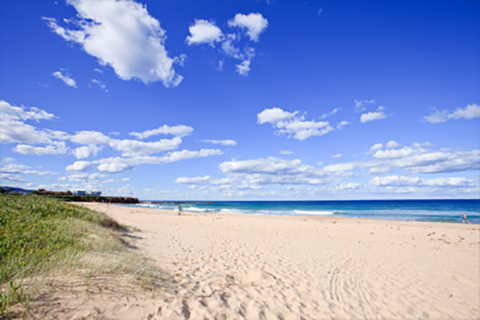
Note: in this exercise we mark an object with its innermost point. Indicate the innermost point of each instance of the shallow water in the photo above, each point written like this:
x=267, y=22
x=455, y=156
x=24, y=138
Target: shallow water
x=404, y=210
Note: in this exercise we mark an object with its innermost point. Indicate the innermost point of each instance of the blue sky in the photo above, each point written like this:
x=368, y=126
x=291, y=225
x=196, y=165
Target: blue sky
x=248, y=100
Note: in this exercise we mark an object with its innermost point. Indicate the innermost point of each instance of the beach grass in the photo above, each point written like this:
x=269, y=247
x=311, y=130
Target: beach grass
x=45, y=243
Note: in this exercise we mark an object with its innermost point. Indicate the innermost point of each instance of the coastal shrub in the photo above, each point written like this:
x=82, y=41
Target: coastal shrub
x=40, y=236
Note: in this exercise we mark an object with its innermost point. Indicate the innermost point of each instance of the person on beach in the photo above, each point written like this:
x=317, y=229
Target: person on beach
x=465, y=218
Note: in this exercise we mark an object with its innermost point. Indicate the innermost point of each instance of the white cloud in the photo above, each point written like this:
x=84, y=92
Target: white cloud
x=203, y=31
x=100, y=84
x=396, y=153
x=243, y=68
x=342, y=124
x=14, y=168
x=116, y=181
x=274, y=115
x=254, y=23
x=203, y=181
x=392, y=144
x=415, y=181
x=229, y=49
x=179, y=131
x=123, y=35
x=133, y=147
x=206, y=32
x=86, y=151
x=324, y=116
x=13, y=129
x=292, y=125
x=360, y=105
x=286, y=152
x=90, y=138
x=53, y=149
x=119, y=164
x=376, y=146
x=340, y=167
x=471, y=111
x=372, y=116
x=222, y=142
x=421, y=160
x=220, y=65
x=338, y=155
x=66, y=78
x=83, y=177
x=437, y=117
x=419, y=145
x=79, y=166
x=114, y=167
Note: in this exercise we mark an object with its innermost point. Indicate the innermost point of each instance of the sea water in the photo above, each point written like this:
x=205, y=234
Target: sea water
x=405, y=210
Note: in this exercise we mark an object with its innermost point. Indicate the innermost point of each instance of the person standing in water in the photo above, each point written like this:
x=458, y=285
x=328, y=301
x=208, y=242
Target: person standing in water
x=465, y=218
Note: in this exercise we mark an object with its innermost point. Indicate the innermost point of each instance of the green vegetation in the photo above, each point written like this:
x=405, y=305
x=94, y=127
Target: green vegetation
x=42, y=237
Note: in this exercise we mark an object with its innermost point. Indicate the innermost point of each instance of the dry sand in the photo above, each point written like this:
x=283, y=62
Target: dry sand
x=255, y=267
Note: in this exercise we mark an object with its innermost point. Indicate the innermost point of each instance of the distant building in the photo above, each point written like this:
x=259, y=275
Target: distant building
x=87, y=193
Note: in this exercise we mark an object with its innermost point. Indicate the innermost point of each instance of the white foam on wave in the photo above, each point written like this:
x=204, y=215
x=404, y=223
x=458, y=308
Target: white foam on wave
x=322, y=213
x=195, y=209
x=229, y=211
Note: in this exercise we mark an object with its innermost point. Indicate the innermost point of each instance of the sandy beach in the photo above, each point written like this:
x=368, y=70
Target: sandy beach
x=224, y=266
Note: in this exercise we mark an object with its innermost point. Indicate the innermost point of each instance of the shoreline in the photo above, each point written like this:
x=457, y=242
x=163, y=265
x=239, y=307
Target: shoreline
x=241, y=266
x=299, y=216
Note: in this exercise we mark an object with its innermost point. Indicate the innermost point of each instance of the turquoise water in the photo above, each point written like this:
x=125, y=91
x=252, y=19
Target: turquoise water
x=405, y=210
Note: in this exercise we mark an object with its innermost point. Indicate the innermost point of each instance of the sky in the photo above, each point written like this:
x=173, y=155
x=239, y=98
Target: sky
x=241, y=100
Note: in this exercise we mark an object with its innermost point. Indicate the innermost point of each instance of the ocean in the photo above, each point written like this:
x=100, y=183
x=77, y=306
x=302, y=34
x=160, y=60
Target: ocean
x=404, y=210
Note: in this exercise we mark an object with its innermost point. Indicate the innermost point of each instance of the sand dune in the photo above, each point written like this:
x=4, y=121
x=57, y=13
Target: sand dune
x=254, y=267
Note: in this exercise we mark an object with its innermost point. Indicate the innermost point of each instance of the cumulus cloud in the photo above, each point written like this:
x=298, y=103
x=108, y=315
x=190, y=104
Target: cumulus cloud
x=258, y=173
x=274, y=115
x=243, y=68
x=14, y=168
x=372, y=116
x=55, y=148
x=340, y=167
x=86, y=151
x=134, y=147
x=83, y=177
x=376, y=146
x=420, y=160
x=253, y=24
x=203, y=181
x=179, y=131
x=14, y=129
x=114, y=167
x=206, y=32
x=120, y=164
x=123, y=35
x=471, y=111
x=338, y=155
x=65, y=77
x=222, y=142
x=79, y=166
x=392, y=144
x=415, y=181
x=90, y=138
x=203, y=31
x=292, y=125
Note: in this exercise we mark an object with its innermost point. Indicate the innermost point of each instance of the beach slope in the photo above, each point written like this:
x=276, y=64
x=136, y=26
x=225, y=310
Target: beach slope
x=256, y=267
